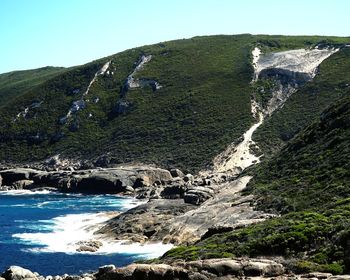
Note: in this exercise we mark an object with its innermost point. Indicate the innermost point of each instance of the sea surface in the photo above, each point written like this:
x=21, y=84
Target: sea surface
x=39, y=231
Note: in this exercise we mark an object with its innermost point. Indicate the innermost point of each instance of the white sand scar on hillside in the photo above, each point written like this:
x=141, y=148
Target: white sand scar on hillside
x=228, y=208
x=256, y=54
x=238, y=157
x=301, y=60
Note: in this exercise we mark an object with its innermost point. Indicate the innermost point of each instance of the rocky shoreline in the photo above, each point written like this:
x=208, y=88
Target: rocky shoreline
x=225, y=268
x=134, y=180
x=167, y=217
x=179, y=208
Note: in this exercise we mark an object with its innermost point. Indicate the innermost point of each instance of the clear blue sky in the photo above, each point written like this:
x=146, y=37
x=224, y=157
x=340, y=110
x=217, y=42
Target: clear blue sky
x=36, y=33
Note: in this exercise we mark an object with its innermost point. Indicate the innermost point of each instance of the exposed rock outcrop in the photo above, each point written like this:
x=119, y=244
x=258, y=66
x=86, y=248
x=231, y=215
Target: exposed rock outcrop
x=198, y=194
x=289, y=69
x=121, y=107
x=145, y=222
x=132, y=82
x=103, y=180
x=177, y=222
x=89, y=246
x=180, y=220
x=81, y=103
x=174, y=191
x=228, y=208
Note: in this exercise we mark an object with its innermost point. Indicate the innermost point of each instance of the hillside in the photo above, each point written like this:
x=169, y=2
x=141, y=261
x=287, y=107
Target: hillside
x=179, y=124
x=307, y=182
x=16, y=83
x=174, y=104
x=330, y=83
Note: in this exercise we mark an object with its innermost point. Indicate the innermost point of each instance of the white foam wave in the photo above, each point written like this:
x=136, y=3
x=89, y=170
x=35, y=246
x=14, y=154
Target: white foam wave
x=68, y=230
x=24, y=192
x=36, y=227
x=17, y=205
x=43, y=204
x=132, y=203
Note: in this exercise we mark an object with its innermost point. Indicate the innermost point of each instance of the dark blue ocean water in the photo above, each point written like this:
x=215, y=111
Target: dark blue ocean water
x=36, y=231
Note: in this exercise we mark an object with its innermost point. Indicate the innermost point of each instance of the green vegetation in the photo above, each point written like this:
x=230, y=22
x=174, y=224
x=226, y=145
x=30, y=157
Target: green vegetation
x=15, y=83
x=308, y=183
x=311, y=241
x=262, y=91
x=203, y=105
x=312, y=171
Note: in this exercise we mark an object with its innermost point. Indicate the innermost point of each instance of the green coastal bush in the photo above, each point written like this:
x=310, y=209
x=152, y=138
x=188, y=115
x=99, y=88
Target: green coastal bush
x=311, y=195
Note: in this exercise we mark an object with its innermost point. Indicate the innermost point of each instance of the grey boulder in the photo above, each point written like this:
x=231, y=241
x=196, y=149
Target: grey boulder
x=18, y=273
x=176, y=173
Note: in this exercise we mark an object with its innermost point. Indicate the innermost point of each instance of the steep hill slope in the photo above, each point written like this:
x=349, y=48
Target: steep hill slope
x=330, y=83
x=204, y=99
x=175, y=104
x=308, y=183
x=16, y=83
